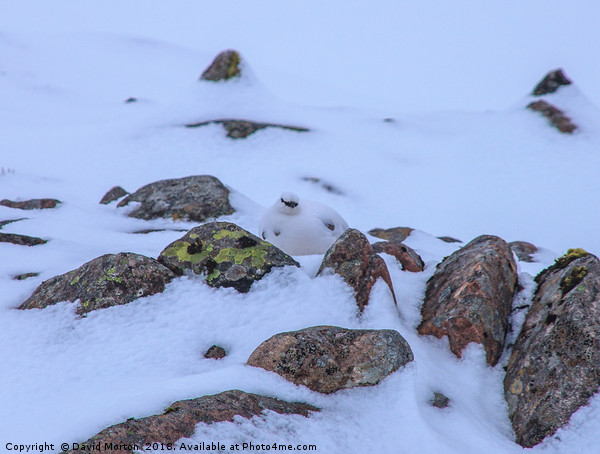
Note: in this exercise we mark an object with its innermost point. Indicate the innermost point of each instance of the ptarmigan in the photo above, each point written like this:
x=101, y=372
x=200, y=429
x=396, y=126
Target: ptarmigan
x=301, y=227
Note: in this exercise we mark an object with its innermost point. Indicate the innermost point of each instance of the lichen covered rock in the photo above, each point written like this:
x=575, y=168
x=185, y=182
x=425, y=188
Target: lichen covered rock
x=228, y=255
x=194, y=198
x=407, y=257
x=106, y=281
x=21, y=240
x=329, y=358
x=554, y=367
x=353, y=258
x=470, y=295
x=179, y=420
x=225, y=66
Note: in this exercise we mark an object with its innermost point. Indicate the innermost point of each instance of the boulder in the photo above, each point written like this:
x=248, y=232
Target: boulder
x=228, y=255
x=114, y=193
x=554, y=367
x=523, y=250
x=329, y=358
x=408, y=258
x=225, y=66
x=32, y=204
x=470, y=295
x=240, y=129
x=557, y=117
x=22, y=240
x=353, y=258
x=194, y=198
x=109, y=280
x=551, y=82
x=215, y=352
x=395, y=234
x=179, y=420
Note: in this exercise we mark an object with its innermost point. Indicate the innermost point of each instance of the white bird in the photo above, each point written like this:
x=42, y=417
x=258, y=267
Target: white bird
x=301, y=227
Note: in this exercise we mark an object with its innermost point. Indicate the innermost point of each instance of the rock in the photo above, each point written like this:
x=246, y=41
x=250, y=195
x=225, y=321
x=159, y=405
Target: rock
x=523, y=250
x=33, y=204
x=228, y=255
x=470, y=295
x=395, y=235
x=105, y=281
x=551, y=82
x=22, y=277
x=327, y=186
x=215, y=352
x=329, y=358
x=179, y=420
x=130, y=100
x=114, y=193
x=225, y=66
x=554, y=367
x=439, y=401
x=353, y=258
x=9, y=221
x=195, y=198
x=408, y=258
x=21, y=240
x=147, y=231
x=240, y=129
x=557, y=117
x=448, y=239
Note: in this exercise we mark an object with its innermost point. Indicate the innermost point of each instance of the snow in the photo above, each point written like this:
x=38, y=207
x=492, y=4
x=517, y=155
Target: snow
x=462, y=157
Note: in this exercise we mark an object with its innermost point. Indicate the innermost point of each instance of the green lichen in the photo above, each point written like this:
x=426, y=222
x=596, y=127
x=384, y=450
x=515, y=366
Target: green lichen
x=111, y=275
x=75, y=281
x=255, y=254
x=170, y=409
x=179, y=249
x=576, y=276
x=571, y=255
x=229, y=234
x=214, y=275
x=234, y=66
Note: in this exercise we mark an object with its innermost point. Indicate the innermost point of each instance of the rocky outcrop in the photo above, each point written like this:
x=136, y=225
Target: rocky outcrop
x=179, y=420
x=555, y=116
x=407, y=257
x=469, y=297
x=551, y=82
x=225, y=66
x=352, y=257
x=554, y=367
x=240, y=129
x=328, y=358
x=194, y=198
x=32, y=204
x=21, y=240
x=215, y=352
x=114, y=193
x=523, y=250
x=394, y=235
x=228, y=255
x=106, y=281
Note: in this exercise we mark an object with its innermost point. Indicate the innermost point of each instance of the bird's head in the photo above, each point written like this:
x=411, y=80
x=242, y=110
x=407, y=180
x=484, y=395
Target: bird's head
x=288, y=203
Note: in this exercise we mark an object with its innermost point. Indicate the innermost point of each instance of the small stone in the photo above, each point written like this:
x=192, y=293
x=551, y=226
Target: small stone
x=215, y=352
x=551, y=82
x=225, y=66
x=395, y=234
x=114, y=193
x=448, y=239
x=439, y=400
x=21, y=240
x=353, y=258
x=10, y=221
x=329, y=358
x=22, y=277
x=523, y=250
x=408, y=258
x=326, y=186
x=557, y=117
x=32, y=204
x=131, y=100
x=240, y=129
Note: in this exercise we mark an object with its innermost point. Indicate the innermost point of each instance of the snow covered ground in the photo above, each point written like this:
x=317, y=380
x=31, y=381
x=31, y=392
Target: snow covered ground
x=462, y=157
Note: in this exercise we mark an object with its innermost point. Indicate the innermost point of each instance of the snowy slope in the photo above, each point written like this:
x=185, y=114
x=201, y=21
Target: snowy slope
x=470, y=161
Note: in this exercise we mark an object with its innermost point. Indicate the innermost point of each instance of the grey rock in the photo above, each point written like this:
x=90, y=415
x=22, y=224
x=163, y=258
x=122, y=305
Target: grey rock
x=114, y=193
x=240, y=129
x=21, y=240
x=523, y=250
x=555, y=116
x=106, y=281
x=439, y=401
x=470, y=295
x=329, y=358
x=551, y=82
x=32, y=204
x=194, y=198
x=225, y=66
x=215, y=352
x=554, y=367
x=228, y=255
